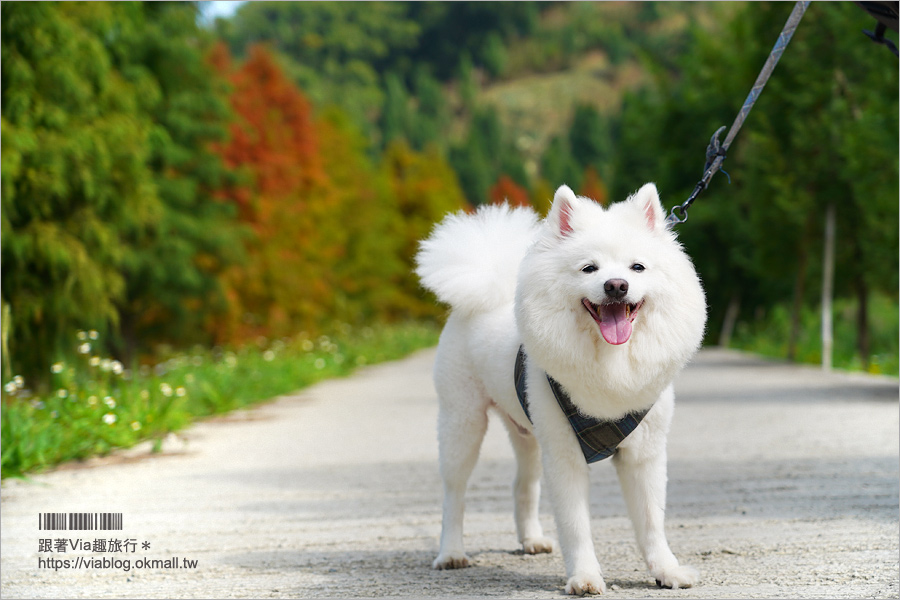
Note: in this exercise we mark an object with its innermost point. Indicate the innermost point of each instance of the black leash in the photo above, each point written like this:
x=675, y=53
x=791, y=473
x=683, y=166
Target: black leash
x=715, y=152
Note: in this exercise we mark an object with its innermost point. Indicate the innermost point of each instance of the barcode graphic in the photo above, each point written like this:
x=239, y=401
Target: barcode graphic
x=80, y=521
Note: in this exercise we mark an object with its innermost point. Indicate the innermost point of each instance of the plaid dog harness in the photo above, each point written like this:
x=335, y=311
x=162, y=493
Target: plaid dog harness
x=599, y=439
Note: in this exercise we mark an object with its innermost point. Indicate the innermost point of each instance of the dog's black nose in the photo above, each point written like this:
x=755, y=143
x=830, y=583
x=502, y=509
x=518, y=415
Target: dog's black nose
x=616, y=288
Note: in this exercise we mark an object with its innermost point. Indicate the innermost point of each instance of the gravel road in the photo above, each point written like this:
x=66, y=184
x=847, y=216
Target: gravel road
x=783, y=483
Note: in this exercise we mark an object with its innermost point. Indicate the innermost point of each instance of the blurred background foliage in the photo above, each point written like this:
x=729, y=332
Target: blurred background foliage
x=170, y=183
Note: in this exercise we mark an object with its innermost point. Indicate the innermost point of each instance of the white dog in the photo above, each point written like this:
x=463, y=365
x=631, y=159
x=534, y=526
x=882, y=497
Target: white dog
x=607, y=309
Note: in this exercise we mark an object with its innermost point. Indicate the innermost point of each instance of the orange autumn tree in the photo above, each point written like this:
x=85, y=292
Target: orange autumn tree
x=507, y=190
x=593, y=187
x=284, y=283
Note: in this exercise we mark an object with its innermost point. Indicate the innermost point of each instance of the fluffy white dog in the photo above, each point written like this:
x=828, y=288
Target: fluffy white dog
x=607, y=308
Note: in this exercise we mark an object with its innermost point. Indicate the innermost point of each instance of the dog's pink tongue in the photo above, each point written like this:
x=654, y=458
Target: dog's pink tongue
x=615, y=327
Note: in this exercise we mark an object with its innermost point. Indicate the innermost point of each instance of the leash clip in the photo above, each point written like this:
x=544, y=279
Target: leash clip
x=714, y=150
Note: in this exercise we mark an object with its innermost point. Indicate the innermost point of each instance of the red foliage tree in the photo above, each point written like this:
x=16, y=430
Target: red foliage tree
x=507, y=190
x=593, y=187
x=273, y=142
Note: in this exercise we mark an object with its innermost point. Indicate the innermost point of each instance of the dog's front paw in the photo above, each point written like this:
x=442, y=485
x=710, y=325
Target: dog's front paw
x=679, y=576
x=450, y=560
x=581, y=584
x=538, y=545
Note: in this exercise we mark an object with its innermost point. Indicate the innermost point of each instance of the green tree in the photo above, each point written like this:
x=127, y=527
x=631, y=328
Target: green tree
x=395, y=112
x=76, y=148
x=370, y=271
x=471, y=163
x=493, y=54
x=558, y=166
x=425, y=189
x=589, y=139
x=479, y=28
x=823, y=132
x=468, y=85
x=431, y=116
x=334, y=50
x=486, y=153
x=832, y=118
x=172, y=269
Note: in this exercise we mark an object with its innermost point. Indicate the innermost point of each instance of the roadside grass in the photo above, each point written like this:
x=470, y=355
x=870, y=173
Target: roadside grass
x=769, y=336
x=97, y=405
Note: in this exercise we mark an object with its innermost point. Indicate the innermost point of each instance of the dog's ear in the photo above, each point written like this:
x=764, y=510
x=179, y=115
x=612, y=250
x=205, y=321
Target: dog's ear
x=560, y=216
x=647, y=200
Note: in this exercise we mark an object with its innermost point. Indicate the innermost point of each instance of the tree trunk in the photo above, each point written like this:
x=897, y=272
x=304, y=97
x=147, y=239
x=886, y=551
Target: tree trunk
x=800, y=287
x=828, y=289
x=796, y=308
x=728, y=323
x=862, y=320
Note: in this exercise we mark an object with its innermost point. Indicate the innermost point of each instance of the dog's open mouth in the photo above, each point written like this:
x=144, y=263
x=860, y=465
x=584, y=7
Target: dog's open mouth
x=614, y=319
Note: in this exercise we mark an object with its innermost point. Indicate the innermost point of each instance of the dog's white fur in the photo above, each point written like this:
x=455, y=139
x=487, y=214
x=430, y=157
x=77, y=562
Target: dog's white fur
x=512, y=280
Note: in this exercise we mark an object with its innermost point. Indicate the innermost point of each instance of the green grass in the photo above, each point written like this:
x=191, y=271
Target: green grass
x=769, y=336
x=97, y=405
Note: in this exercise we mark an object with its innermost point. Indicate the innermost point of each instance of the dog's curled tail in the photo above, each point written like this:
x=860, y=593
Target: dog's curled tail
x=471, y=261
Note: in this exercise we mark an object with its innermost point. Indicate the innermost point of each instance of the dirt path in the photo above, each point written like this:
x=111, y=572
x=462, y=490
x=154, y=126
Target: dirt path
x=783, y=483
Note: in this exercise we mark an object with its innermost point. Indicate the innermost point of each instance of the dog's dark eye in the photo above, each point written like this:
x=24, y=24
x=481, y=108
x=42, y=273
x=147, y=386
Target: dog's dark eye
x=637, y=267
x=588, y=268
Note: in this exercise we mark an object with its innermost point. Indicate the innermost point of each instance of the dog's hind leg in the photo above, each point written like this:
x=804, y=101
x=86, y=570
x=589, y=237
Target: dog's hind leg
x=527, y=489
x=462, y=423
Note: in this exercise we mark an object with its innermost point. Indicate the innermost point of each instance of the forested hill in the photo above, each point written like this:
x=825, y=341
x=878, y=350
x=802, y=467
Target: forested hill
x=523, y=96
x=484, y=81
x=167, y=184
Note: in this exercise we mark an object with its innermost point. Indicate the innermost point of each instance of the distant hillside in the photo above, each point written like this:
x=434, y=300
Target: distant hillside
x=539, y=106
x=588, y=53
